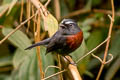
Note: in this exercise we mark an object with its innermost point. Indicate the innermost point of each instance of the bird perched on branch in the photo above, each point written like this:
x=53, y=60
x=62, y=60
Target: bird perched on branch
x=66, y=40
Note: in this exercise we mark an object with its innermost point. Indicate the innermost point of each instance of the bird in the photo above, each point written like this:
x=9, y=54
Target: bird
x=66, y=39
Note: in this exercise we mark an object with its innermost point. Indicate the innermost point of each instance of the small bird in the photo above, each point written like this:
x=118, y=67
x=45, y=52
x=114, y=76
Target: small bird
x=66, y=40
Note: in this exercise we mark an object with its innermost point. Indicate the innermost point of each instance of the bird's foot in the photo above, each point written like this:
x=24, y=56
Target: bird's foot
x=73, y=63
x=70, y=62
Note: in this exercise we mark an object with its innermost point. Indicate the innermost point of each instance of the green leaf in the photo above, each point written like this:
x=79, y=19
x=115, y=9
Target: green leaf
x=95, y=38
x=114, y=50
x=7, y=5
x=6, y=1
x=88, y=21
x=11, y=5
x=19, y=57
x=64, y=8
x=50, y=24
x=25, y=62
x=86, y=32
x=19, y=39
x=3, y=8
x=5, y=61
x=113, y=69
x=47, y=60
x=115, y=44
x=78, y=54
x=96, y=2
x=88, y=5
x=33, y=69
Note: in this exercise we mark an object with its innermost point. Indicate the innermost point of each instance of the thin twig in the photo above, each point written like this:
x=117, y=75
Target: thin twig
x=83, y=11
x=93, y=49
x=105, y=11
x=46, y=4
x=18, y=27
x=78, y=12
x=28, y=14
x=57, y=9
x=73, y=71
x=60, y=77
x=51, y=67
x=97, y=58
x=21, y=13
x=111, y=58
x=54, y=74
x=37, y=39
x=107, y=44
x=3, y=11
x=42, y=10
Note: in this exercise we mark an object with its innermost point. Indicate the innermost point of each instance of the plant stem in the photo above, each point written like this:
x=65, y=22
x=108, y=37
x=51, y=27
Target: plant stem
x=107, y=44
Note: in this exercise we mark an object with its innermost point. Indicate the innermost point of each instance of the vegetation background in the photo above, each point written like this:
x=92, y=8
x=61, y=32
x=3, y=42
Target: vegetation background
x=92, y=17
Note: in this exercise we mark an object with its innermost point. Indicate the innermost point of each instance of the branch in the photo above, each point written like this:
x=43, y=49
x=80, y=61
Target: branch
x=83, y=11
x=107, y=44
x=105, y=11
x=54, y=74
x=42, y=9
x=18, y=27
x=111, y=58
x=72, y=73
x=51, y=67
x=78, y=12
x=46, y=4
x=93, y=49
x=57, y=9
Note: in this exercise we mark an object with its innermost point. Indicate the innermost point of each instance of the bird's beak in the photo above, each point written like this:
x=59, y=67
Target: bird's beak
x=62, y=25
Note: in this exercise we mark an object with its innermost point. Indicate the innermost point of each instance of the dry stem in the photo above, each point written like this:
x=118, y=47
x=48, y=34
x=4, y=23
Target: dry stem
x=57, y=9
x=83, y=11
x=111, y=58
x=39, y=6
x=21, y=13
x=18, y=27
x=60, y=66
x=46, y=4
x=37, y=39
x=54, y=74
x=51, y=67
x=107, y=44
x=28, y=14
x=93, y=49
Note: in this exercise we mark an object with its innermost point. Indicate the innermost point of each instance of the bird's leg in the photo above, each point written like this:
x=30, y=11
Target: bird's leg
x=70, y=56
x=71, y=62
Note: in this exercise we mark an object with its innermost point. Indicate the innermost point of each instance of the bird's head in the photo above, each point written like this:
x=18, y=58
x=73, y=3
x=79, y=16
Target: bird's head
x=69, y=26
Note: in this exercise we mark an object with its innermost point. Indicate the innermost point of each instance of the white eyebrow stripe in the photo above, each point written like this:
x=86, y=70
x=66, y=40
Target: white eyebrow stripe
x=68, y=22
x=62, y=21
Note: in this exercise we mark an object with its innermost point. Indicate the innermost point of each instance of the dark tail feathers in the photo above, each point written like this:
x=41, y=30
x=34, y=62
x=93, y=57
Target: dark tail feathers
x=34, y=45
x=44, y=42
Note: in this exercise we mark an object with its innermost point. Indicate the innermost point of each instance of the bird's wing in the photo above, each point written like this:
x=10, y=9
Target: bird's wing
x=56, y=42
x=44, y=42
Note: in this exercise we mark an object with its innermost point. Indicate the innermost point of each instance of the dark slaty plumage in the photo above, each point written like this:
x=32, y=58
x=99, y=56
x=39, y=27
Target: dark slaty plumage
x=67, y=39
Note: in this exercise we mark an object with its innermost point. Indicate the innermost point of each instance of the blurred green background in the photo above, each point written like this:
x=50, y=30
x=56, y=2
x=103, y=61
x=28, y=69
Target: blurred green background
x=91, y=15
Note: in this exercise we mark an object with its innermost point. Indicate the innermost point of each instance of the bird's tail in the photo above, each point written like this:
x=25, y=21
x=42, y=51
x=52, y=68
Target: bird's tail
x=34, y=45
x=44, y=42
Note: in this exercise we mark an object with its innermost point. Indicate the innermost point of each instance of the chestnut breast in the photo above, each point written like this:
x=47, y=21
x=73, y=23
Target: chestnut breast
x=74, y=41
